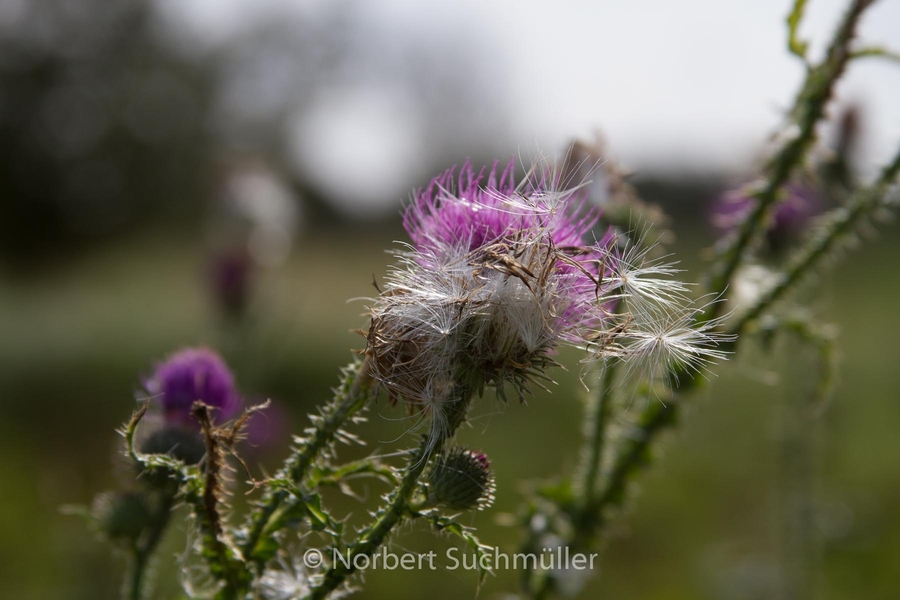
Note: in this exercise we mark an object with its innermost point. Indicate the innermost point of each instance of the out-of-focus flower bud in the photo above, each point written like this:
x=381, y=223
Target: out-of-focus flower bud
x=184, y=443
x=121, y=515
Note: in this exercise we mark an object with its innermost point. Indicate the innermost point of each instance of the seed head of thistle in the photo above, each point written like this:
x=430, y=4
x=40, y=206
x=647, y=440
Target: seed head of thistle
x=497, y=276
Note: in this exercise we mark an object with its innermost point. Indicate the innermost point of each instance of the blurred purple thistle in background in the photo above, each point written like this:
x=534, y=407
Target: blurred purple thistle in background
x=230, y=279
x=793, y=213
x=189, y=375
x=268, y=429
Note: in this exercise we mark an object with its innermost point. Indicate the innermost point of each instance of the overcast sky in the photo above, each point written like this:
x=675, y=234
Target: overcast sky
x=694, y=84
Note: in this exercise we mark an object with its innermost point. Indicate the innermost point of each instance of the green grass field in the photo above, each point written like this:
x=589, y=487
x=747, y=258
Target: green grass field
x=74, y=343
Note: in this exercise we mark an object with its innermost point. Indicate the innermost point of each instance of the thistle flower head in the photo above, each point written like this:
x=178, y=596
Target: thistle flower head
x=189, y=375
x=464, y=212
x=497, y=277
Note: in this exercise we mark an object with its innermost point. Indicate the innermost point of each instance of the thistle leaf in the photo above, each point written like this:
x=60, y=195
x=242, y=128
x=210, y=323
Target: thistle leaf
x=447, y=524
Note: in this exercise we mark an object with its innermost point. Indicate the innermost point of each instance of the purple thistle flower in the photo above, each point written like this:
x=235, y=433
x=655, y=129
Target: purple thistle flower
x=189, y=375
x=465, y=210
x=457, y=215
x=482, y=459
x=498, y=276
x=270, y=428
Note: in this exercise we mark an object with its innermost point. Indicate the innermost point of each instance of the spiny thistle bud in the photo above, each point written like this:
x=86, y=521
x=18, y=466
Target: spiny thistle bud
x=184, y=443
x=189, y=375
x=121, y=515
x=461, y=480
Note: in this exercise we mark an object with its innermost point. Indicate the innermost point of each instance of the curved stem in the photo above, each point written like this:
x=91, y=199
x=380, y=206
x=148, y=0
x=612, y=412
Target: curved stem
x=389, y=516
x=660, y=416
x=350, y=398
x=375, y=535
x=655, y=419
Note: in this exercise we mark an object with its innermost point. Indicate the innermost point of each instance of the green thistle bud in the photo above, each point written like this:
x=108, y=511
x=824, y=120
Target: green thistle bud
x=461, y=480
x=121, y=515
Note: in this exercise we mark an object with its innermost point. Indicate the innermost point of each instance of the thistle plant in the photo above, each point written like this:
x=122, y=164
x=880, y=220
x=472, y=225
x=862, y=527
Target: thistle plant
x=498, y=275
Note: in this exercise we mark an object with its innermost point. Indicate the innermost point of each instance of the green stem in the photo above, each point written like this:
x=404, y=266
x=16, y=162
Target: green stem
x=398, y=504
x=144, y=547
x=592, y=516
x=378, y=532
x=599, y=409
x=365, y=466
x=635, y=453
x=808, y=110
x=659, y=416
x=134, y=583
x=266, y=521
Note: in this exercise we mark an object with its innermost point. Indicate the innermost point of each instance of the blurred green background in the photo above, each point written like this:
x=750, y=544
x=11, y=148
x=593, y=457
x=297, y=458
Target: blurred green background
x=130, y=163
x=77, y=340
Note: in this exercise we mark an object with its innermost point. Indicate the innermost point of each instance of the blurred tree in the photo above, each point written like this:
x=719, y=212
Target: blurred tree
x=100, y=126
x=119, y=116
